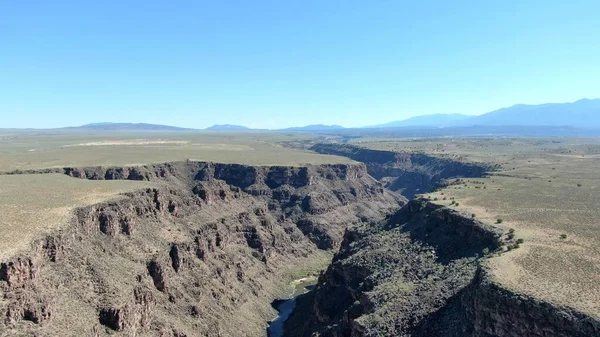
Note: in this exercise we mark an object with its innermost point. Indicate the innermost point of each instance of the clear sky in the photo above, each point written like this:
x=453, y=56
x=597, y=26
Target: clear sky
x=286, y=62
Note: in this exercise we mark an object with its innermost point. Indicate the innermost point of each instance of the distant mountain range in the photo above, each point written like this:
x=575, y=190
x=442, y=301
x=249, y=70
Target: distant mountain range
x=227, y=127
x=315, y=127
x=583, y=114
x=128, y=127
x=426, y=120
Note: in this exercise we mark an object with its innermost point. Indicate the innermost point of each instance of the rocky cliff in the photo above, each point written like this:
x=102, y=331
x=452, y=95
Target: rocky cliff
x=409, y=173
x=422, y=272
x=202, y=254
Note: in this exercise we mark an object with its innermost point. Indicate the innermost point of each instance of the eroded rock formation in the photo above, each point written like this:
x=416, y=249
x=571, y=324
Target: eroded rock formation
x=409, y=173
x=422, y=272
x=201, y=254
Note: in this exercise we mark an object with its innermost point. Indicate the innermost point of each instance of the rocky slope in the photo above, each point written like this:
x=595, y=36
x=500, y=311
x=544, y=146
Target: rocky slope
x=409, y=173
x=202, y=254
x=422, y=272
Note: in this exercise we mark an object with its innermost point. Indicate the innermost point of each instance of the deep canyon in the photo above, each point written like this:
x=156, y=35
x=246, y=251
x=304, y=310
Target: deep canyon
x=206, y=252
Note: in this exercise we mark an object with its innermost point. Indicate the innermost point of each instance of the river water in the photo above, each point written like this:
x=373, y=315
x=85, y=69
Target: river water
x=286, y=307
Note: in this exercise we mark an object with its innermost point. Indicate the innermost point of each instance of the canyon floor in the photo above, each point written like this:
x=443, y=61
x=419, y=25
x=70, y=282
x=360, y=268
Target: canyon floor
x=196, y=234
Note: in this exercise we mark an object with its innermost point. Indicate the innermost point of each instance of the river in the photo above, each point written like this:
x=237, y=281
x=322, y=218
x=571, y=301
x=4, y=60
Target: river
x=285, y=307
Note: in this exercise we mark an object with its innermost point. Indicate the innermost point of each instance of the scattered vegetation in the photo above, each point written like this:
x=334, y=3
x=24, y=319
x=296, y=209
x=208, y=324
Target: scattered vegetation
x=556, y=191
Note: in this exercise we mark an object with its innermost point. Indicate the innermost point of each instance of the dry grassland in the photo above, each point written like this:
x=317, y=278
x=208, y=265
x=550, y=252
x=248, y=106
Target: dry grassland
x=34, y=205
x=31, y=151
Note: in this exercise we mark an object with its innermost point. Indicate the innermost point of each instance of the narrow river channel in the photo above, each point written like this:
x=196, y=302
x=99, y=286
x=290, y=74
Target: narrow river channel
x=285, y=307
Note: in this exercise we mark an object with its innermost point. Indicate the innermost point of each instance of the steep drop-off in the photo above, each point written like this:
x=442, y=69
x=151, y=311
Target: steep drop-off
x=203, y=254
x=409, y=173
x=422, y=272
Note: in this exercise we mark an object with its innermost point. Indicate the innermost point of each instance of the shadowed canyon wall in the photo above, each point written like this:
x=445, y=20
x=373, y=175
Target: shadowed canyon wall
x=422, y=272
x=201, y=254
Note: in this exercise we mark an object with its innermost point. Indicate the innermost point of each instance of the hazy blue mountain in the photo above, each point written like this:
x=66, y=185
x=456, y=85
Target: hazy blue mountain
x=584, y=113
x=93, y=125
x=128, y=127
x=426, y=120
x=227, y=127
x=315, y=127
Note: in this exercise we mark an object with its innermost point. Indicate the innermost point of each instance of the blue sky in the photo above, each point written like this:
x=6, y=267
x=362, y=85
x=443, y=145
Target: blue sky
x=281, y=63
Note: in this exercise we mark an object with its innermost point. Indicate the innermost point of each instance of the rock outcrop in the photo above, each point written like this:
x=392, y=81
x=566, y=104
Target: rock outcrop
x=422, y=272
x=201, y=254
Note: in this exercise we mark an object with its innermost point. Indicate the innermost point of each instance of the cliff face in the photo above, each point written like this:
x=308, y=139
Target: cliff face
x=495, y=311
x=421, y=272
x=408, y=173
x=202, y=254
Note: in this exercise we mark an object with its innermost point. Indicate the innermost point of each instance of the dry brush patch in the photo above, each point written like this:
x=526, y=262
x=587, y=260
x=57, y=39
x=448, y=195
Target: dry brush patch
x=33, y=205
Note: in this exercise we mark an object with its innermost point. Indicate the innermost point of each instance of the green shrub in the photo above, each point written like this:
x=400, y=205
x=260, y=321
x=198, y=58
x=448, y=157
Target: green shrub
x=499, y=221
x=513, y=246
x=520, y=241
x=563, y=236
